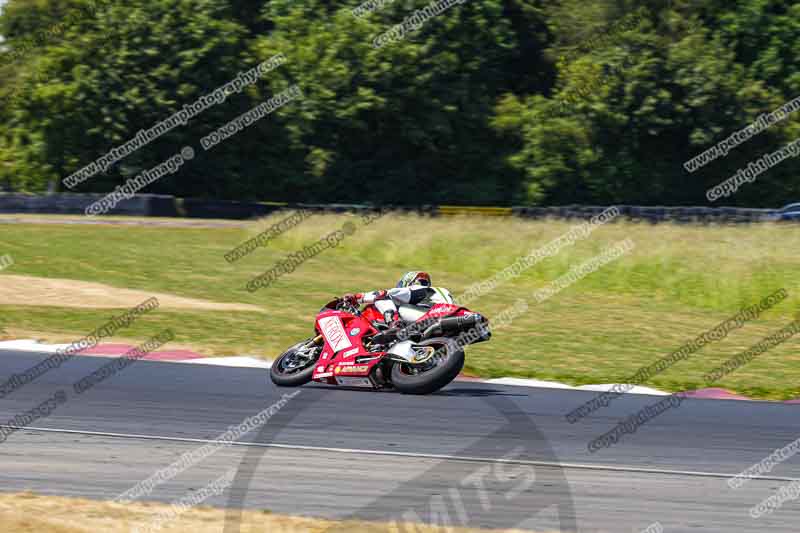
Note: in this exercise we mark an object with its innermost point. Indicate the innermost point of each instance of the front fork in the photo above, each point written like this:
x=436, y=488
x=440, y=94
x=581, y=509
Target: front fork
x=316, y=341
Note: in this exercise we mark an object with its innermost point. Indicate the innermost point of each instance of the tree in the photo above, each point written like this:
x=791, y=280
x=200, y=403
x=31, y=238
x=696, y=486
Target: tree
x=625, y=139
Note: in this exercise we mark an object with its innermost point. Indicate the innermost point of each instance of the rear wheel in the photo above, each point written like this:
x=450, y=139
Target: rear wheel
x=295, y=366
x=431, y=376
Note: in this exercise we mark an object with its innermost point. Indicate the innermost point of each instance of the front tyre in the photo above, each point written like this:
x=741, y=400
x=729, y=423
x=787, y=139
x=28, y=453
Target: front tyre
x=416, y=379
x=295, y=366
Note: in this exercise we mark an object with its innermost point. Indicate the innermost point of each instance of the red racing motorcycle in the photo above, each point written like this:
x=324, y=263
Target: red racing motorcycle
x=354, y=347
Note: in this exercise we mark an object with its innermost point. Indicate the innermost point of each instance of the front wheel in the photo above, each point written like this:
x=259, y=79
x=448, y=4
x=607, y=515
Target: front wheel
x=425, y=379
x=295, y=366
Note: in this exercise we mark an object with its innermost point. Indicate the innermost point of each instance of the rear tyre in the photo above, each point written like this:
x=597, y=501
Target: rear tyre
x=409, y=379
x=295, y=366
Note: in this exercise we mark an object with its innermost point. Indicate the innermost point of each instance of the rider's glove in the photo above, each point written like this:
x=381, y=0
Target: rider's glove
x=372, y=297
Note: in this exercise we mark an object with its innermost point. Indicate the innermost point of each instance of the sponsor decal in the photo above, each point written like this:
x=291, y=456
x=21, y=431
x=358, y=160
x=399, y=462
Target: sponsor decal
x=354, y=382
x=350, y=352
x=354, y=369
x=334, y=333
x=324, y=375
x=355, y=331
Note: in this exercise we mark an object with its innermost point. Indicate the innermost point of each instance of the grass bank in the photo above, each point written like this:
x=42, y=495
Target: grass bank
x=677, y=282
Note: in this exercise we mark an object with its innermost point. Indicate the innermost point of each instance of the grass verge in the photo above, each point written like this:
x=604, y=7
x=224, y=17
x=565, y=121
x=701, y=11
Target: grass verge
x=31, y=513
x=678, y=282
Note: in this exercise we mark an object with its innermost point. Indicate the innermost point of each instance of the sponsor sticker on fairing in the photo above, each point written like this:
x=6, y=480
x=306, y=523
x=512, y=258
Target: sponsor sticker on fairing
x=334, y=333
x=353, y=369
x=350, y=352
x=354, y=382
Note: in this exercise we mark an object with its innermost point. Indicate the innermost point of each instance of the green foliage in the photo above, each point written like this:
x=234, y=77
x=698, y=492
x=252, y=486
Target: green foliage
x=491, y=102
x=400, y=120
x=679, y=86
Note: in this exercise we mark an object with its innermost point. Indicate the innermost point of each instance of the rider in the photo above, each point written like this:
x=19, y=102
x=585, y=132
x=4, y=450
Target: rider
x=414, y=288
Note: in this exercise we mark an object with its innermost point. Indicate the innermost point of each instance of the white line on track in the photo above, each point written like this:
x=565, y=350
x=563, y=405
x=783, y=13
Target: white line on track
x=547, y=464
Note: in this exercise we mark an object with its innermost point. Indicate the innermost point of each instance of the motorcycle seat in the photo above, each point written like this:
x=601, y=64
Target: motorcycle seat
x=411, y=313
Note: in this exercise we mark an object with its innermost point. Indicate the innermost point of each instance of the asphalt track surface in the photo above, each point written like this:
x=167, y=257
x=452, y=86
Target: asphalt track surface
x=339, y=453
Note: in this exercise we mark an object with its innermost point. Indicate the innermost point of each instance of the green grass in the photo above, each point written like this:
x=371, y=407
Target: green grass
x=678, y=282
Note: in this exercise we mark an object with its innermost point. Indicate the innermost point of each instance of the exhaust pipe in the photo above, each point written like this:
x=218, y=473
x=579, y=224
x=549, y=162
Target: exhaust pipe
x=455, y=325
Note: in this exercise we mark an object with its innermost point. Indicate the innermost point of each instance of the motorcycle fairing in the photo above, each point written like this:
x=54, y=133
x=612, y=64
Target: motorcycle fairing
x=344, y=334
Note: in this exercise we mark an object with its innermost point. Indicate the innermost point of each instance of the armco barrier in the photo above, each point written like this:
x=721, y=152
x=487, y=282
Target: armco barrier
x=199, y=208
x=76, y=204
x=653, y=214
x=485, y=211
x=169, y=206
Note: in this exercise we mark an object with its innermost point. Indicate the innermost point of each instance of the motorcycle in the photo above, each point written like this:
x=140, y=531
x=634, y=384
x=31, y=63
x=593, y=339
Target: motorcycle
x=356, y=348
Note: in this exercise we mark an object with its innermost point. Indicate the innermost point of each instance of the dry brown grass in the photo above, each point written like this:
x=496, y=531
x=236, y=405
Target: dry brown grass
x=31, y=513
x=54, y=292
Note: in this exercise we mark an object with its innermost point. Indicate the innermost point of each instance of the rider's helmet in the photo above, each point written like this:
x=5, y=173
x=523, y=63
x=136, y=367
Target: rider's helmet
x=415, y=278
